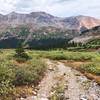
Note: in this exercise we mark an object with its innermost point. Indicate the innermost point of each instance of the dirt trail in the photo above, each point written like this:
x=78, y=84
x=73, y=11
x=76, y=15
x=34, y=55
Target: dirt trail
x=78, y=87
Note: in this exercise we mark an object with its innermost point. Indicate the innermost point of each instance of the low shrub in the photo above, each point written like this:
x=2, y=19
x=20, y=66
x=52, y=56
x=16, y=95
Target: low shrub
x=14, y=74
x=6, y=79
x=91, y=68
x=21, y=56
x=30, y=73
x=77, y=56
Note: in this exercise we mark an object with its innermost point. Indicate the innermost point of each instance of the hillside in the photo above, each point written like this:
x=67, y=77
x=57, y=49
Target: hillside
x=40, y=29
x=81, y=22
x=88, y=35
x=48, y=73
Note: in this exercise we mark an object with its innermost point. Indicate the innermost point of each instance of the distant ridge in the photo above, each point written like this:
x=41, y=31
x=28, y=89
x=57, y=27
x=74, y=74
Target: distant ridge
x=88, y=35
x=41, y=28
x=36, y=20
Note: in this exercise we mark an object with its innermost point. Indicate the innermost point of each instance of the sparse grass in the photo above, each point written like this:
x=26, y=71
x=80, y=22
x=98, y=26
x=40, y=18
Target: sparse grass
x=58, y=91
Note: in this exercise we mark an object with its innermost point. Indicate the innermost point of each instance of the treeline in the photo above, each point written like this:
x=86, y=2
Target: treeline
x=92, y=44
x=43, y=40
x=49, y=43
x=54, y=43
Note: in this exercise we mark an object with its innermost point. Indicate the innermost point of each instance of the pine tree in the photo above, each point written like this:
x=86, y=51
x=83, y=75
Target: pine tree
x=21, y=55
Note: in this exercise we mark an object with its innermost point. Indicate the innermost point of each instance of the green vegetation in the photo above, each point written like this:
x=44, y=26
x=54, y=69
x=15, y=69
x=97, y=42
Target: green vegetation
x=29, y=73
x=21, y=55
x=6, y=79
x=41, y=40
x=91, y=68
x=21, y=31
x=13, y=73
x=65, y=55
x=58, y=93
x=92, y=44
x=92, y=57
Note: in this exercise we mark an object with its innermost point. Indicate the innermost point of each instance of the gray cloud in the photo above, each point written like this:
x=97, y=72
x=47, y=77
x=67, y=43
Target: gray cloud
x=56, y=7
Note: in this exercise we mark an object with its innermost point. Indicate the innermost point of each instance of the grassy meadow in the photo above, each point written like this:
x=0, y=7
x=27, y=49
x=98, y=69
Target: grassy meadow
x=16, y=76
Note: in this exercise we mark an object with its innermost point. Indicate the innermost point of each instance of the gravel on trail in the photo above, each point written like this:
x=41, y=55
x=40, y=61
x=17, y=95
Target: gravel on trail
x=78, y=87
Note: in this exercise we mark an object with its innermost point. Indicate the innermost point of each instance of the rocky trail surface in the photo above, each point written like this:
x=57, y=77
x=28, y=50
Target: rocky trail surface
x=65, y=83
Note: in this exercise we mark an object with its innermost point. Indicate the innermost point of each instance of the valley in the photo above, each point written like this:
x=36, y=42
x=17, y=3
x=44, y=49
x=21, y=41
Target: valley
x=44, y=57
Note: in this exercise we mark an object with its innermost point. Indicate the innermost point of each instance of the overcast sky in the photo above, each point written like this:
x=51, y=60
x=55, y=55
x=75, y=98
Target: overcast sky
x=61, y=8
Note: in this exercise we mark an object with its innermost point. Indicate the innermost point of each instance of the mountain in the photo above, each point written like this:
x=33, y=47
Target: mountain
x=88, y=35
x=36, y=20
x=40, y=28
x=81, y=22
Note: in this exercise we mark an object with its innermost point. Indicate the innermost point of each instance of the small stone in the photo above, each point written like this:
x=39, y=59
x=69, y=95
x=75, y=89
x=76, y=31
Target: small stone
x=67, y=98
x=34, y=92
x=83, y=98
x=22, y=98
x=43, y=98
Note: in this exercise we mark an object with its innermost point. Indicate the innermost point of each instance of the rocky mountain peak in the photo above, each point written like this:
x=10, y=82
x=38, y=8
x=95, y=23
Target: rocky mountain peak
x=43, y=19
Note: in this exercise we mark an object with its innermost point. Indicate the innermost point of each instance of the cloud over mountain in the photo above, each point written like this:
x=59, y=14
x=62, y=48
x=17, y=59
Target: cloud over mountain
x=55, y=7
